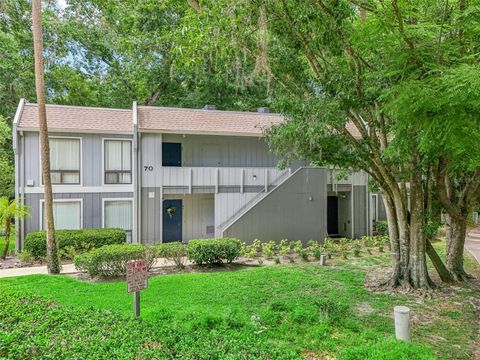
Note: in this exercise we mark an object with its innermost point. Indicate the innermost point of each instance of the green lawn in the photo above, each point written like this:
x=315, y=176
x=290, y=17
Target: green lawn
x=278, y=312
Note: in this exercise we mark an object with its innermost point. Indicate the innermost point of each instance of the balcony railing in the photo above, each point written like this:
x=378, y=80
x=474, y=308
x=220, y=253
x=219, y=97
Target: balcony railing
x=243, y=178
x=335, y=177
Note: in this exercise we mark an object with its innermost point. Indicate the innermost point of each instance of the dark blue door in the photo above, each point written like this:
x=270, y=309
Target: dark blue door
x=172, y=220
x=171, y=154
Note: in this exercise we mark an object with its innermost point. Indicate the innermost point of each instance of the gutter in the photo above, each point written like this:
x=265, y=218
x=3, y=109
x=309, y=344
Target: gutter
x=19, y=191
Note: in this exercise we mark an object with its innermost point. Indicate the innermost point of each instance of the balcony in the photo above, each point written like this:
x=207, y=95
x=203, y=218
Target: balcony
x=340, y=177
x=221, y=179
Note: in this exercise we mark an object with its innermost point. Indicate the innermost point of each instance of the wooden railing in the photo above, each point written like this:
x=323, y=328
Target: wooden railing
x=242, y=177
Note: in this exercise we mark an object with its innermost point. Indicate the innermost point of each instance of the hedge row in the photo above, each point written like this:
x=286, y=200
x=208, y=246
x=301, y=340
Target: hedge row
x=81, y=240
x=111, y=260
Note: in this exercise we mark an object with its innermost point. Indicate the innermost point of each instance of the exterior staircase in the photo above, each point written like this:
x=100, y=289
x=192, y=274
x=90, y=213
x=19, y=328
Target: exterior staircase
x=256, y=199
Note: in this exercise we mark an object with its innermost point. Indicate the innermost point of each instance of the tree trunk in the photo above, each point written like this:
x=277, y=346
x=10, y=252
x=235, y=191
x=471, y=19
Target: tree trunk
x=456, y=229
x=417, y=265
x=53, y=261
x=437, y=262
x=7, y=237
x=394, y=241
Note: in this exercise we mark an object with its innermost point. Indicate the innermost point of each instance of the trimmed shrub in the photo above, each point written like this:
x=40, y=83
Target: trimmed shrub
x=111, y=260
x=213, y=251
x=80, y=240
x=175, y=252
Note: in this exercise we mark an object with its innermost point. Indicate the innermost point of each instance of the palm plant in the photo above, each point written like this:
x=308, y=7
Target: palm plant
x=9, y=210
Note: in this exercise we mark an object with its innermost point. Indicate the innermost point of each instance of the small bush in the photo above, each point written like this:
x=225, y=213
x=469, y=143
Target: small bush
x=357, y=248
x=381, y=227
x=269, y=249
x=381, y=242
x=328, y=247
x=175, y=252
x=343, y=247
x=111, y=260
x=315, y=249
x=284, y=248
x=297, y=246
x=276, y=260
x=26, y=257
x=249, y=251
x=81, y=240
x=213, y=251
x=304, y=255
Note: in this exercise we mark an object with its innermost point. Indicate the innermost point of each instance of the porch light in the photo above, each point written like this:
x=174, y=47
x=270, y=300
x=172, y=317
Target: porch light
x=255, y=177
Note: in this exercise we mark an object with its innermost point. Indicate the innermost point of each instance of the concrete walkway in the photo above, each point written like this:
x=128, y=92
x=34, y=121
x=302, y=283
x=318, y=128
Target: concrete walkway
x=66, y=269
x=33, y=270
x=472, y=243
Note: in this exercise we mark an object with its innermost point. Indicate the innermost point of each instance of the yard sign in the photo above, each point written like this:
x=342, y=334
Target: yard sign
x=137, y=276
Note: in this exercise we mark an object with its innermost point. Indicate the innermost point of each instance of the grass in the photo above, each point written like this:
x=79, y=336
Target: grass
x=278, y=312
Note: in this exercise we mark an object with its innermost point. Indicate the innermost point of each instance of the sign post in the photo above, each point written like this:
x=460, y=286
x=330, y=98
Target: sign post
x=137, y=276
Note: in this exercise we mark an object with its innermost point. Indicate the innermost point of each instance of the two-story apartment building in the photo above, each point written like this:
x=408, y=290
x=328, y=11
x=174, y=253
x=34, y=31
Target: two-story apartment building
x=169, y=174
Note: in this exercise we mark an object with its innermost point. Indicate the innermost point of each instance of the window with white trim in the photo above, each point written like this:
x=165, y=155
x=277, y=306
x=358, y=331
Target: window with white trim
x=65, y=161
x=67, y=215
x=118, y=161
x=118, y=214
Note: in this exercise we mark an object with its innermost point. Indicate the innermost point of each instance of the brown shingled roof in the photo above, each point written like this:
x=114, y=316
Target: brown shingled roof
x=178, y=120
x=160, y=119
x=78, y=118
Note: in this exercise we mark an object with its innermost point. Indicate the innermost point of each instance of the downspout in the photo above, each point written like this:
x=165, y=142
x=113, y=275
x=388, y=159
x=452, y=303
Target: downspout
x=18, y=176
x=136, y=198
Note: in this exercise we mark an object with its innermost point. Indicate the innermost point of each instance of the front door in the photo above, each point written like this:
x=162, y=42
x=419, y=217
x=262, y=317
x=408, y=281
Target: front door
x=172, y=220
x=332, y=215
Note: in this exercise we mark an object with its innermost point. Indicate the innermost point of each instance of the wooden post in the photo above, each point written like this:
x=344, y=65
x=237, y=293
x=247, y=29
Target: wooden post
x=136, y=303
x=190, y=180
x=242, y=179
x=266, y=180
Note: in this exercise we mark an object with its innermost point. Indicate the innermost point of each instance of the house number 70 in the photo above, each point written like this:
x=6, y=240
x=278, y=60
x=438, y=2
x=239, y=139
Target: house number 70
x=148, y=168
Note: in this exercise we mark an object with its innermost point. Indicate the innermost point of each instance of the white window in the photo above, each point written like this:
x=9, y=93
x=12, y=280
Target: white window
x=118, y=161
x=65, y=160
x=118, y=214
x=66, y=214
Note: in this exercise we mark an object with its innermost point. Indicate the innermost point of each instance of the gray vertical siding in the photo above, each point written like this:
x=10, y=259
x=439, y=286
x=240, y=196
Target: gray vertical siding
x=287, y=211
x=31, y=157
x=91, y=171
x=151, y=215
x=360, y=210
x=92, y=208
x=198, y=214
x=207, y=150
